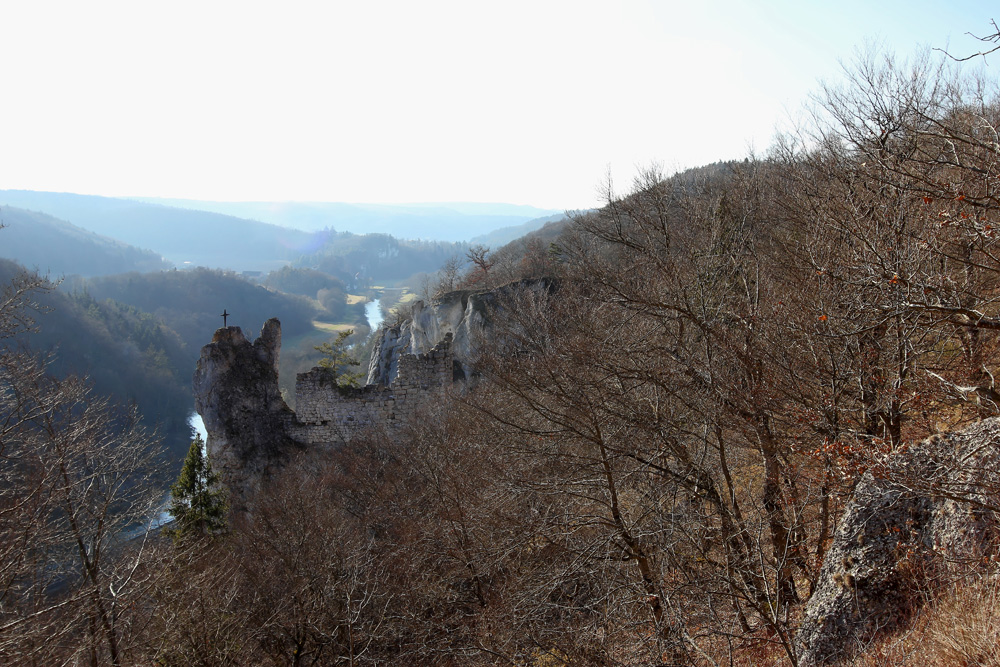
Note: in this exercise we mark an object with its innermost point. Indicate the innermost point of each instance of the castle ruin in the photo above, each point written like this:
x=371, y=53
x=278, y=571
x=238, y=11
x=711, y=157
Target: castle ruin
x=252, y=432
x=326, y=413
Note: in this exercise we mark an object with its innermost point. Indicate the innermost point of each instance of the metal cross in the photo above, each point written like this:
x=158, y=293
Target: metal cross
x=224, y=316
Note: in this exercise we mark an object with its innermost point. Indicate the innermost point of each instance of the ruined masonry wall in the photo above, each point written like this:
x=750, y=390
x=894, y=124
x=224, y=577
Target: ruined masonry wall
x=326, y=414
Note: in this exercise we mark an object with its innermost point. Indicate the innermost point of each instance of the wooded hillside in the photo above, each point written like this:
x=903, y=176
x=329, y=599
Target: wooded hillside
x=661, y=444
x=653, y=466
x=58, y=248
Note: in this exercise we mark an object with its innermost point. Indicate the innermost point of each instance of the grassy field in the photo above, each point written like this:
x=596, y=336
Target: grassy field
x=333, y=328
x=397, y=295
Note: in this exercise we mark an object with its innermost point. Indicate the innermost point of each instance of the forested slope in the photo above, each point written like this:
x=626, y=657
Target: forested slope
x=58, y=248
x=137, y=336
x=191, y=302
x=360, y=259
x=183, y=236
x=126, y=353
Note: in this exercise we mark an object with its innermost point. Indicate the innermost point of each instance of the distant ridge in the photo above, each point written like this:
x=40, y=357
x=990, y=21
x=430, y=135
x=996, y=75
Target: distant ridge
x=57, y=247
x=444, y=221
x=185, y=237
x=501, y=237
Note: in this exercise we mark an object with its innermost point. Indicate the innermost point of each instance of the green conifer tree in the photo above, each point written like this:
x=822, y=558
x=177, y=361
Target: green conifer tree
x=198, y=503
x=337, y=362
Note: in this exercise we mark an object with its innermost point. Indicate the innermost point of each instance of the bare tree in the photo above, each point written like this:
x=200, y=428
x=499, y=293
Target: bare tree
x=77, y=486
x=448, y=277
x=479, y=273
x=990, y=38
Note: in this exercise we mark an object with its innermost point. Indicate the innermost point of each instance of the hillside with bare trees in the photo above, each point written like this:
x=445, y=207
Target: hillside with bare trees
x=656, y=455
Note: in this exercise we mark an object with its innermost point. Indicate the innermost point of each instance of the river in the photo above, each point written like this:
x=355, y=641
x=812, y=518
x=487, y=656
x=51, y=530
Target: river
x=162, y=515
x=374, y=314
x=195, y=422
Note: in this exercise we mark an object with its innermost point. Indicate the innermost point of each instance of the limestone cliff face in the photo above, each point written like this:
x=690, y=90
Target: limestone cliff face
x=464, y=314
x=236, y=394
x=461, y=314
x=930, y=508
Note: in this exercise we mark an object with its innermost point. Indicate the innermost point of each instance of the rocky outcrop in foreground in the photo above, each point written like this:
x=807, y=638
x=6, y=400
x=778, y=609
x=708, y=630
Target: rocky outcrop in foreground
x=931, y=510
x=236, y=393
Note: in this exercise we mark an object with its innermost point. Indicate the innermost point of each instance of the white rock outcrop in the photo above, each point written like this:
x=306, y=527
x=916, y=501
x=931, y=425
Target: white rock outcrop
x=461, y=314
x=465, y=314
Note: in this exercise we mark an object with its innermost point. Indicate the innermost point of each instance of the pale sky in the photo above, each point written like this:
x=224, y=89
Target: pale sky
x=419, y=101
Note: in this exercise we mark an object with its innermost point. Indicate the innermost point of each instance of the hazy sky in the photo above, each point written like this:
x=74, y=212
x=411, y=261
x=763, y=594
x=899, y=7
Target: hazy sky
x=520, y=102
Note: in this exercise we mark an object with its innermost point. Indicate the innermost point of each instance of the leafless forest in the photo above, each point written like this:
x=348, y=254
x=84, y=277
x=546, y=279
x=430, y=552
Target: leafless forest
x=651, y=467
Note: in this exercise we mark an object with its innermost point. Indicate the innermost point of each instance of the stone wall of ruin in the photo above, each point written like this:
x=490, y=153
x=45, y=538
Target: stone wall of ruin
x=328, y=414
